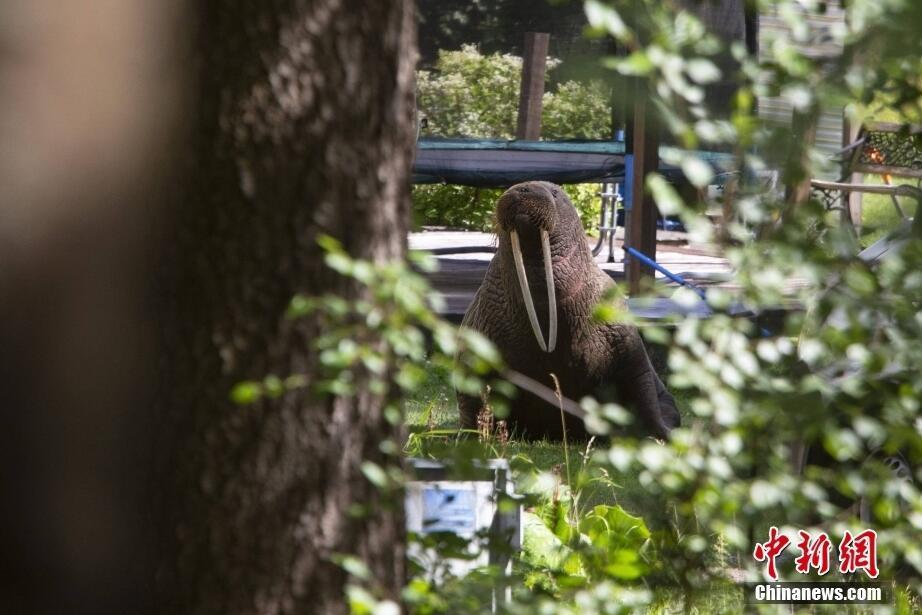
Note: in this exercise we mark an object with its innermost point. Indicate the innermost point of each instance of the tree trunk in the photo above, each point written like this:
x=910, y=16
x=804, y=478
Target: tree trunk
x=303, y=126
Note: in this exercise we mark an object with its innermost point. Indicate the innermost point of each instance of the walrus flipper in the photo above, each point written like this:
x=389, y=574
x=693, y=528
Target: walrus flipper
x=667, y=408
x=639, y=387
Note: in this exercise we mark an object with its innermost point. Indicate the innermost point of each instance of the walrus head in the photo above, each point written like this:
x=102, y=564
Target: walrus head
x=538, y=221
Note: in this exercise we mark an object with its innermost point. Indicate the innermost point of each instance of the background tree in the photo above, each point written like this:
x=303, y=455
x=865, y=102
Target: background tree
x=498, y=26
x=303, y=126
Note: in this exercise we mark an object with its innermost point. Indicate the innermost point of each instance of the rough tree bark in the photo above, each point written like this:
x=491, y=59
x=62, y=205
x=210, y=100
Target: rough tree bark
x=303, y=125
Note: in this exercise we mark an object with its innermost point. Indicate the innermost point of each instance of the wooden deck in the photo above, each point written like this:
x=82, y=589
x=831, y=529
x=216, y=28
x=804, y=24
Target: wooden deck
x=460, y=275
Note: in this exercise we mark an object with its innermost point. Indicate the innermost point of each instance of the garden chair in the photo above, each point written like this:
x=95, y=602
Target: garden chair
x=885, y=149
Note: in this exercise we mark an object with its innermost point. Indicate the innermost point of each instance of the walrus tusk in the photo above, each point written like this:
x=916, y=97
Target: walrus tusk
x=551, y=295
x=526, y=292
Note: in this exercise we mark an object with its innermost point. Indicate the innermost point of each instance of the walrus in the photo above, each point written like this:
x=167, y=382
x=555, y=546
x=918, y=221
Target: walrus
x=536, y=303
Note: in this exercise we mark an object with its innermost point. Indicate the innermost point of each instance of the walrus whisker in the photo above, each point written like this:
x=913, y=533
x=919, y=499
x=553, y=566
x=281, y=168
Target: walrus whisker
x=551, y=295
x=526, y=293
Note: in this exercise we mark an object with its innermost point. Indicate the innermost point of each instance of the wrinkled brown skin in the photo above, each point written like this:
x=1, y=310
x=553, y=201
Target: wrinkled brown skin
x=608, y=361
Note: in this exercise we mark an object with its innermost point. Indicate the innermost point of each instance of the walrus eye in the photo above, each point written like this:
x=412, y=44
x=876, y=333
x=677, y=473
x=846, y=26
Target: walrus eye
x=526, y=292
x=522, y=190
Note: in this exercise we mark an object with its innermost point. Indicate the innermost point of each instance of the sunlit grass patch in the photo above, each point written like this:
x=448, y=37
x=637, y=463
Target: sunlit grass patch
x=879, y=215
x=433, y=424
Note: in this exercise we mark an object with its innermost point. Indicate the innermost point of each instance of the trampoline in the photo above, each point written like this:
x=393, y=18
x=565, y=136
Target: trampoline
x=494, y=163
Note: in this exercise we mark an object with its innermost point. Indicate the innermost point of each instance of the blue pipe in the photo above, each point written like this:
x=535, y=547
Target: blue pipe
x=649, y=262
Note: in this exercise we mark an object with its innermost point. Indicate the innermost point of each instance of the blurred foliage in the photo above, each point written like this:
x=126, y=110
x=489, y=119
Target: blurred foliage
x=838, y=377
x=391, y=335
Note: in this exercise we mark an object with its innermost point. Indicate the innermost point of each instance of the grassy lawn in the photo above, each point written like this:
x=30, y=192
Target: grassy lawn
x=878, y=215
x=432, y=419
x=433, y=412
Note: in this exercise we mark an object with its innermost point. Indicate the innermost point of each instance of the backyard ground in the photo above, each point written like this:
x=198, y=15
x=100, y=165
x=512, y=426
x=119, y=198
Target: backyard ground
x=432, y=414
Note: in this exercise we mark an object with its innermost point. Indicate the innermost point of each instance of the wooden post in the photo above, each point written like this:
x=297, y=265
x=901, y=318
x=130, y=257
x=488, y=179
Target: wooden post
x=851, y=205
x=640, y=233
x=534, y=65
x=803, y=131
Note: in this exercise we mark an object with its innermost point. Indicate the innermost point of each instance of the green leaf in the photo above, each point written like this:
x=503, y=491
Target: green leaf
x=339, y=262
x=702, y=70
x=246, y=392
x=329, y=244
x=353, y=566
x=361, y=602
x=667, y=199
x=541, y=547
x=375, y=474
x=273, y=386
x=616, y=526
x=556, y=516
x=301, y=306
x=605, y=17
x=374, y=363
x=698, y=172
x=481, y=346
x=609, y=312
x=625, y=571
x=637, y=64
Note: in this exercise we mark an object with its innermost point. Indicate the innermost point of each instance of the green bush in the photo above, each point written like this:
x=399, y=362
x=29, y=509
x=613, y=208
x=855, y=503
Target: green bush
x=454, y=206
x=474, y=95
x=577, y=111
x=472, y=208
x=470, y=94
